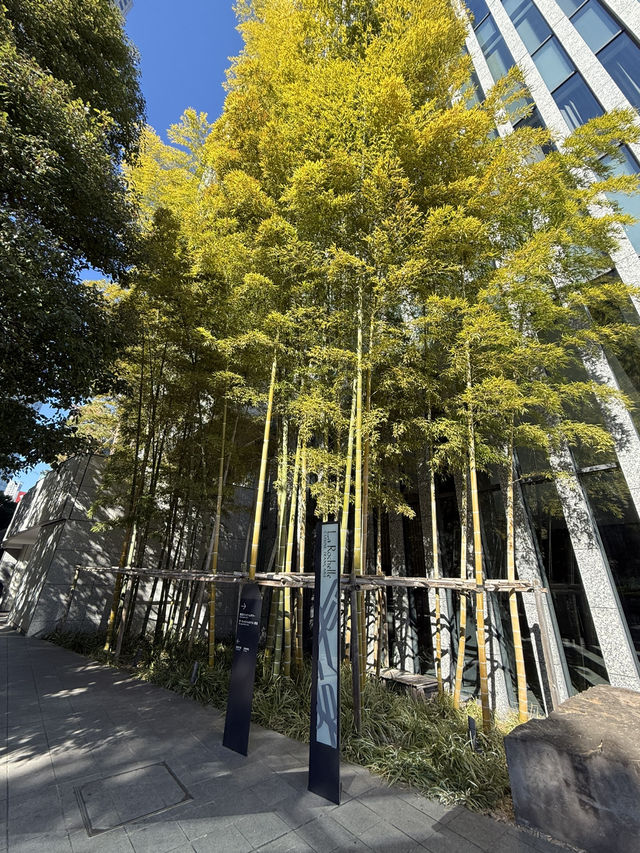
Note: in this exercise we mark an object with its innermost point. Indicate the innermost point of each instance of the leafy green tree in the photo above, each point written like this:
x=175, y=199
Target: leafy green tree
x=71, y=111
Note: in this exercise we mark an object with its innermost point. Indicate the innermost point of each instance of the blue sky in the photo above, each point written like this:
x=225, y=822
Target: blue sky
x=184, y=49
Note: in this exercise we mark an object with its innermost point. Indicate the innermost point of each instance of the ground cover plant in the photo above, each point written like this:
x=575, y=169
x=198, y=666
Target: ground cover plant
x=422, y=744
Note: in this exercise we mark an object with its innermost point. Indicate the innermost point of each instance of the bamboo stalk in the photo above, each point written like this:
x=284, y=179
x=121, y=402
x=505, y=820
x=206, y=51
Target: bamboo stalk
x=364, y=602
x=147, y=611
x=302, y=524
x=216, y=540
x=477, y=553
x=344, y=520
x=125, y=614
x=257, y=521
x=379, y=597
x=277, y=652
x=521, y=677
x=436, y=569
x=356, y=633
x=117, y=589
x=463, y=595
x=286, y=664
x=196, y=617
x=274, y=629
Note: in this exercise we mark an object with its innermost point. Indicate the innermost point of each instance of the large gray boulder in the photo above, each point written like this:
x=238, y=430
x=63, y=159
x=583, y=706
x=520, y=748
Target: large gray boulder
x=576, y=774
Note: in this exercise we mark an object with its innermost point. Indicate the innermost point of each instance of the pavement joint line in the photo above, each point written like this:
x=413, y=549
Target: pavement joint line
x=94, y=748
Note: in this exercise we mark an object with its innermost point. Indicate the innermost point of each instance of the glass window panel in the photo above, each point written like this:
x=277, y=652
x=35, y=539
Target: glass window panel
x=596, y=26
x=553, y=63
x=576, y=102
x=531, y=26
x=629, y=203
x=624, y=356
x=472, y=91
x=621, y=59
x=496, y=52
x=569, y=6
x=494, y=527
x=478, y=9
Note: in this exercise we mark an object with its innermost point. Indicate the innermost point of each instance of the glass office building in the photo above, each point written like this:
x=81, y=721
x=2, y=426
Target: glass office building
x=125, y=6
x=578, y=526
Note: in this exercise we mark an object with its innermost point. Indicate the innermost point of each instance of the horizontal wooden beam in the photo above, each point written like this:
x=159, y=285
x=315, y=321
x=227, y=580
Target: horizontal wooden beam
x=307, y=580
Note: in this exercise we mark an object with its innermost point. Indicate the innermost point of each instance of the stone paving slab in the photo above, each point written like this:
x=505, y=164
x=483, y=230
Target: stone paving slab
x=74, y=727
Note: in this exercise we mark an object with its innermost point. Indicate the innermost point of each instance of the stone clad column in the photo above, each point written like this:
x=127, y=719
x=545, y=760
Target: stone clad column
x=611, y=628
x=529, y=568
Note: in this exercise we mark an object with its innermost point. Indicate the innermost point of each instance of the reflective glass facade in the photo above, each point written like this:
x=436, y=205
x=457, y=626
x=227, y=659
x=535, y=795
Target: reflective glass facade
x=580, y=511
x=605, y=37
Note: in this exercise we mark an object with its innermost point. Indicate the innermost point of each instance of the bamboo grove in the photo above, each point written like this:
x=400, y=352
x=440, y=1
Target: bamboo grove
x=347, y=283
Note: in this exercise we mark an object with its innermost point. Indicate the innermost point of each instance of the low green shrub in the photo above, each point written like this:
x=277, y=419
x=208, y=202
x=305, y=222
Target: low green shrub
x=422, y=744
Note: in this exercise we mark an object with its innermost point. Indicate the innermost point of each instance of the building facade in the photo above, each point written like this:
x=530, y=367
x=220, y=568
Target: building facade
x=579, y=527
x=125, y=6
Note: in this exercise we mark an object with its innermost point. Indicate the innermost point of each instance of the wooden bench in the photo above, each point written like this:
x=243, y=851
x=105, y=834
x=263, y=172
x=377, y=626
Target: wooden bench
x=419, y=686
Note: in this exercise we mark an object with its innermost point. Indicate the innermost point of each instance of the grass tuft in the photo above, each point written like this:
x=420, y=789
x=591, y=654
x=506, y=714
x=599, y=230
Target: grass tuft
x=421, y=744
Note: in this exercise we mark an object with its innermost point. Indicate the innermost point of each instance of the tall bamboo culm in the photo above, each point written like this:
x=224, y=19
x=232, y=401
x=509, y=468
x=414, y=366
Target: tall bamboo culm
x=117, y=590
x=364, y=596
x=479, y=577
x=257, y=521
x=276, y=611
x=216, y=541
x=381, y=620
x=356, y=599
x=521, y=677
x=346, y=498
x=457, y=689
x=436, y=570
x=287, y=615
x=302, y=524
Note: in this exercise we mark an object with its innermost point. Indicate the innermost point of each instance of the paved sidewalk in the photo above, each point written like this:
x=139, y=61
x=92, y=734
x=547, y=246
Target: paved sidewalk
x=98, y=761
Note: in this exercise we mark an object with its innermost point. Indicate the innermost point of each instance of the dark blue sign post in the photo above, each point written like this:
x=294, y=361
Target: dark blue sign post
x=324, y=742
x=243, y=671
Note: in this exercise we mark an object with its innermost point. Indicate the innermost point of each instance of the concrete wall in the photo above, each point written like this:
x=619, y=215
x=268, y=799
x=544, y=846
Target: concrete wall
x=50, y=534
